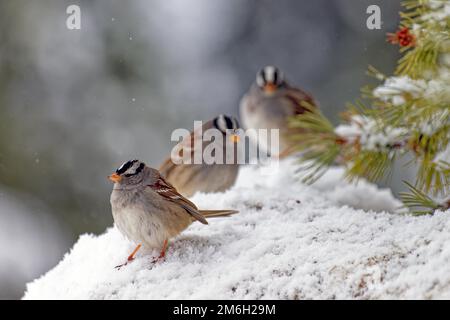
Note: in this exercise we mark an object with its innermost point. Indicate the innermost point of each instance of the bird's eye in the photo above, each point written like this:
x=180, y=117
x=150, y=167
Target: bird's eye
x=261, y=79
x=276, y=77
x=280, y=80
x=223, y=123
x=137, y=170
x=124, y=167
x=270, y=75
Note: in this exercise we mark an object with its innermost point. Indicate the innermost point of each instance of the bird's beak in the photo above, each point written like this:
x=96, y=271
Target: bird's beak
x=115, y=177
x=234, y=138
x=270, y=87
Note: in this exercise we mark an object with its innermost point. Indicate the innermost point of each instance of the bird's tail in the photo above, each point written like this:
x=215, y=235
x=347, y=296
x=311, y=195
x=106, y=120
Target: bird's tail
x=217, y=213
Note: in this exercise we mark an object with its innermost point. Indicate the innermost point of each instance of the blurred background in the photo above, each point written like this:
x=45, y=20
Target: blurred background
x=75, y=104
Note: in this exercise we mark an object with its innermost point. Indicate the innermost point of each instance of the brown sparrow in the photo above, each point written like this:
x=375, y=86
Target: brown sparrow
x=192, y=178
x=149, y=211
x=269, y=103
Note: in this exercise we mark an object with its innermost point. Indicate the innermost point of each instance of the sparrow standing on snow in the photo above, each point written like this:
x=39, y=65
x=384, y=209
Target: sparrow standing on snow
x=148, y=210
x=192, y=178
x=269, y=103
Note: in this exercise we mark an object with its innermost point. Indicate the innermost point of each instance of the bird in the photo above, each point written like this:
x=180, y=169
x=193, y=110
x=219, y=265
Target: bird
x=149, y=211
x=190, y=178
x=270, y=102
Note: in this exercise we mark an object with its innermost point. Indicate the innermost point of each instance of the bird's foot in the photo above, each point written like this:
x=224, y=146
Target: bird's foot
x=161, y=257
x=162, y=254
x=130, y=258
x=124, y=264
x=121, y=265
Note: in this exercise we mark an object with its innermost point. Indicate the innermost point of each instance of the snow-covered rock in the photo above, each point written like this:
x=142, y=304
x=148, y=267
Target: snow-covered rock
x=289, y=241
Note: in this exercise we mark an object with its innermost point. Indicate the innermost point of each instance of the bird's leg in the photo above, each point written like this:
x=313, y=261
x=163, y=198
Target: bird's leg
x=162, y=255
x=130, y=257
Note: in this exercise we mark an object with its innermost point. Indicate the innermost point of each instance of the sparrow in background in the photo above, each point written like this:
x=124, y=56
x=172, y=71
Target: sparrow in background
x=149, y=211
x=192, y=178
x=268, y=104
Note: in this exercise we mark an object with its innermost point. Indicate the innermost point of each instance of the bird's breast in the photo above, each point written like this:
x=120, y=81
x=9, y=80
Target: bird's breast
x=147, y=220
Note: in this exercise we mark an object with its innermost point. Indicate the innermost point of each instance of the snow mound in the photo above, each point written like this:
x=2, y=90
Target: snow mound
x=289, y=241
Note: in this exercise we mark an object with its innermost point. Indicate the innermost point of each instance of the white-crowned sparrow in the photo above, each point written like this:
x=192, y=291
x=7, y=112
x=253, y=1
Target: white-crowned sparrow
x=192, y=178
x=148, y=210
x=269, y=103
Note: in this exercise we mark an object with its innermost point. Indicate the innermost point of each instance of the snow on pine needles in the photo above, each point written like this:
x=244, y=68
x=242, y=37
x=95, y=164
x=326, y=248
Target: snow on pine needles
x=289, y=241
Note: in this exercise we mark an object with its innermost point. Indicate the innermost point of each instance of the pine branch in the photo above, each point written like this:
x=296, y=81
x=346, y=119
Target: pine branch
x=419, y=203
x=372, y=165
x=319, y=144
x=408, y=113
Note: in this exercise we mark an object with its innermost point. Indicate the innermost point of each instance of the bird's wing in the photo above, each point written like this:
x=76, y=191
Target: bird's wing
x=301, y=100
x=168, y=192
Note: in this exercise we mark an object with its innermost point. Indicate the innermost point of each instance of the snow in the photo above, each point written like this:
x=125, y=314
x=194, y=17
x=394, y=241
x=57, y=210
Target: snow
x=394, y=88
x=434, y=122
x=289, y=241
x=441, y=11
x=370, y=134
